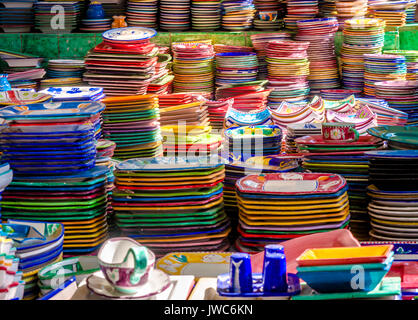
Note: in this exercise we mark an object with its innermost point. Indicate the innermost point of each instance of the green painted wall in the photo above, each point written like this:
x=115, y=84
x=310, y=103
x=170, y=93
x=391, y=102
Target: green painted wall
x=76, y=45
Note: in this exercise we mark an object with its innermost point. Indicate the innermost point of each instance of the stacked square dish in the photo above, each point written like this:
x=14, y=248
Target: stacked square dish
x=336, y=270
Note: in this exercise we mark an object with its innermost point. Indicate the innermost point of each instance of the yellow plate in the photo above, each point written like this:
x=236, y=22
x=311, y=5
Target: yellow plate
x=212, y=178
x=172, y=239
x=293, y=223
x=365, y=166
x=279, y=210
x=296, y=219
x=206, y=206
x=84, y=237
x=82, y=244
x=216, y=175
x=180, y=107
x=345, y=252
x=394, y=222
x=296, y=202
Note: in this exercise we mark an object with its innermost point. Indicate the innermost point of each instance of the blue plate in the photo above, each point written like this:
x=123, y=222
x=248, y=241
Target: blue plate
x=393, y=154
x=51, y=110
x=170, y=164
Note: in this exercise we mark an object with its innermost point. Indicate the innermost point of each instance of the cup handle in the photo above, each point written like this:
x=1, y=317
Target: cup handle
x=141, y=261
x=356, y=134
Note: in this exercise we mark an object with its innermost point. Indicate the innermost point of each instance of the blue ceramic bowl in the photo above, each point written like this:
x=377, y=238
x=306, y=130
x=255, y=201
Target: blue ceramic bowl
x=348, y=278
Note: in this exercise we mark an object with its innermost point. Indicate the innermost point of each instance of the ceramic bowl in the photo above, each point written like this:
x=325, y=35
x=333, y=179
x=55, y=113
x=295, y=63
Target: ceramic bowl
x=125, y=264
x=345, y=278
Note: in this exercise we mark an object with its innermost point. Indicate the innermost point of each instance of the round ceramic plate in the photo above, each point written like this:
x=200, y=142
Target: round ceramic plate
x=129, y=34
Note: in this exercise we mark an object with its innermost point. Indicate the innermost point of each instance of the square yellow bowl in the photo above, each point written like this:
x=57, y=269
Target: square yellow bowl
x=344, y=255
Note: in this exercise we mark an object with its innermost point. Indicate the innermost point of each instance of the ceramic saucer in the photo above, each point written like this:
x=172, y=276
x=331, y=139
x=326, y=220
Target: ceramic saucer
x=158, y=282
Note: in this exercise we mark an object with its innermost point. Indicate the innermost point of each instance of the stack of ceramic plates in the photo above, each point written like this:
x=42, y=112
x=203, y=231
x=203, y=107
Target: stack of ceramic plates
x=22, y=96
x=46, y=21
x=95, y=25
x=105, y=149
x=233, y=90
x=124, y=63
x=235, y=169
x=37, y=245
x=251, y=101
x=11, y=284
x=193, y=67
x=236, y=67
x=348, y=160
x=397, y=137
x=142, y=13
x=179, y=109
x=248, y=96
x=175, y=15
x=68, y=68
x=259, y=42
x=269, y=14
x=162, y=82
x=50, y=138
x=237, y=14
x=300, y=10
x=385, y=114
x=6, y=176
x=393, y=208
x=361, y=36
x=401, y=95
x=132, y=123
x=288, y=69
x=328, y=8
x=382, y=67
x=411, y=58
x=61, y=82
x=217, y=110
x=74, y=93
x=24, y=70
x=16, y=16
x=410, y=12
x=348, y=9
x=113, y=8
x=297, y=130
x=206, y=15
x=78, y=201
x=288, y=113
x=223, y=48
x=392, y=12
x=172, y=204
x=179, y=140
x=323, y=68
x=276, y=207
x=338, y=94
x=250, y=141
x=238, y=118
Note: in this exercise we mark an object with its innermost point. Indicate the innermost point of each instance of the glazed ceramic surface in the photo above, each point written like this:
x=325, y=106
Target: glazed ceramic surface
x=125, y=263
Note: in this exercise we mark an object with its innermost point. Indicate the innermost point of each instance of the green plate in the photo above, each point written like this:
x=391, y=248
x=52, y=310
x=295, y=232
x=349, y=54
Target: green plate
x=163, y=215
x=158, y=220
x=57, y=210
x=174, y=224
x=63, y=216
x=169, y=194
x=55, y=203
x=406, y=135
x=388, y=287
